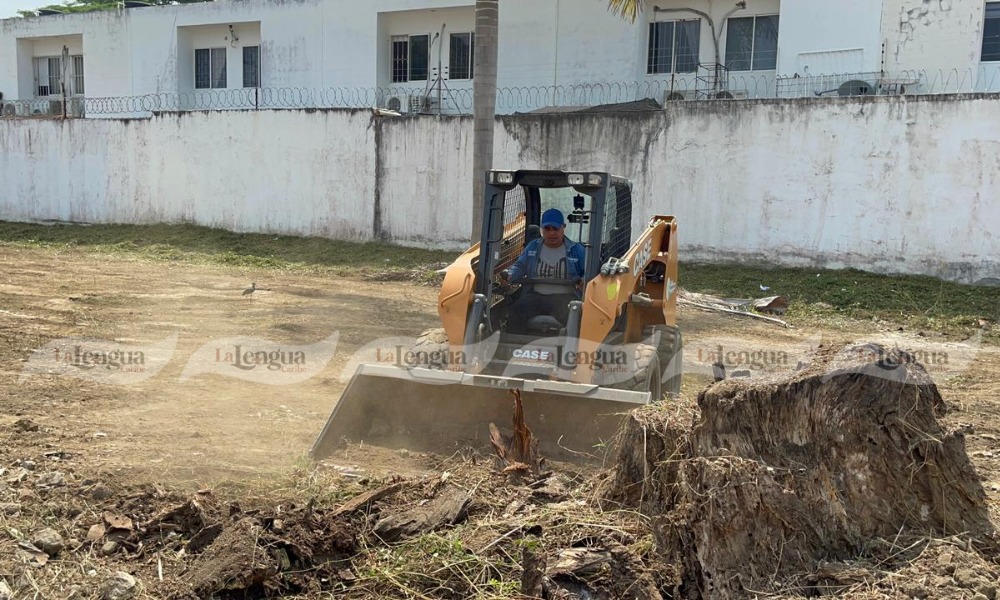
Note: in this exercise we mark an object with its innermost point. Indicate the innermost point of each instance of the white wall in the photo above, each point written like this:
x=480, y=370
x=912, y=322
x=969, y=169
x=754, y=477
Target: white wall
x=195, y=37
x=933, y=35
x=827, y=38
x=294, y=172
x=891, y=184
x=940, y=44
x=887, y=184
x=423, y=181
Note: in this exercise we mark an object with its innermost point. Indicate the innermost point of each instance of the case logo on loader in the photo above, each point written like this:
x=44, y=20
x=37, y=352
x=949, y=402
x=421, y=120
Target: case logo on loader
x=533, y=354
x=642, y=257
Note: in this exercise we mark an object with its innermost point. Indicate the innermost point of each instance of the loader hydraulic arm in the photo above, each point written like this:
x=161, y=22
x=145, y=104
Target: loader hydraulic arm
x=624, y=285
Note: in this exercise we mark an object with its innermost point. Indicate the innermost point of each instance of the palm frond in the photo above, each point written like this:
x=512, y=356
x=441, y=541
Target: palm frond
x=628, y=9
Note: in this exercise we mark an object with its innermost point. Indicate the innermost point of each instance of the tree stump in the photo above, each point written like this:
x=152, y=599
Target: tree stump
x=771, y=476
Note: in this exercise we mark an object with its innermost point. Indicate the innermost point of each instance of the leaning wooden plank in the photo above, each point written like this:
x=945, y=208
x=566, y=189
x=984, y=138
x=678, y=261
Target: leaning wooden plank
x=364, y=499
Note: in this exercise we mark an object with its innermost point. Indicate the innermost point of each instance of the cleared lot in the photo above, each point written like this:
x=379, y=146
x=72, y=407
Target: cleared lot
x=210, y=425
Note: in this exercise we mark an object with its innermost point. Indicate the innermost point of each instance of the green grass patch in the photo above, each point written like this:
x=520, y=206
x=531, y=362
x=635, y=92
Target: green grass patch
x=816, y=295
x=918, y=302
x=191, y=243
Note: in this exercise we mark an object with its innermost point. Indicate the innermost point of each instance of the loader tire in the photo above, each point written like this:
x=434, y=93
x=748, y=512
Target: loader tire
x=645, y=376
x=670, y=349
x=430, y=350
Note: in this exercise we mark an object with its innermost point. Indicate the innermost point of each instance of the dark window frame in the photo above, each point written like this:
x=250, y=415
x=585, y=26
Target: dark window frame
x=403, y=63
x=662, y=47
x=989, y=50
x=251, y=69
x=456, y=53
x=216, y=79
x=753, y=62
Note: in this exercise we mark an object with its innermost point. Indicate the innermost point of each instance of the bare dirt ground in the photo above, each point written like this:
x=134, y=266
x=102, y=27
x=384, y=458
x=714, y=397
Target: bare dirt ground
x=209, y=427
x=213, y=429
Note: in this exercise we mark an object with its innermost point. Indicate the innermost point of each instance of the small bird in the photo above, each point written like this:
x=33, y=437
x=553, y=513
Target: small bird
x=251, y=289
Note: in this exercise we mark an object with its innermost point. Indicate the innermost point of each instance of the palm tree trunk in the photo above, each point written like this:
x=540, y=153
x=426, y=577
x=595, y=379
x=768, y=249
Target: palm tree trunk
x=484, y=99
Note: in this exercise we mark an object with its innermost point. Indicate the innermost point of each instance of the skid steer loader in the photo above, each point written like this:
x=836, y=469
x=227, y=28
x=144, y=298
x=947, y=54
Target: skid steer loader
x=617, y=348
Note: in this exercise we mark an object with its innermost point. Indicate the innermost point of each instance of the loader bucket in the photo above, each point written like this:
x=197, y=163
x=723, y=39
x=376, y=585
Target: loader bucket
x=438, y=411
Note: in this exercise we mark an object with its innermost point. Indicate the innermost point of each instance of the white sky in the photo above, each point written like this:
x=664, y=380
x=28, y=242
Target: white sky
x=9, y=8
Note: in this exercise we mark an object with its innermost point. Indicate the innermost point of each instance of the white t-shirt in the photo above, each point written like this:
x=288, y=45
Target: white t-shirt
x=552, y=264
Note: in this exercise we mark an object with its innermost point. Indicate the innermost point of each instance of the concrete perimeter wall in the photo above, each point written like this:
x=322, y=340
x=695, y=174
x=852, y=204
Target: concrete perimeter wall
x=889, y=184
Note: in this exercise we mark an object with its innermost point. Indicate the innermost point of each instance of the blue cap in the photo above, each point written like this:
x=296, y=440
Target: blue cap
x=553, y=218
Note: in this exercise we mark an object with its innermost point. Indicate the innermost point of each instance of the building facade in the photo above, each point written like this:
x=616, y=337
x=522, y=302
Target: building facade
x=418, y=55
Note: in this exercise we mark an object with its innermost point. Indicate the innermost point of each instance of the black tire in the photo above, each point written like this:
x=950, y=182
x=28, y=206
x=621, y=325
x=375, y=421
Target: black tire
x=646, y=375
x=430, y=350
x=670, y=350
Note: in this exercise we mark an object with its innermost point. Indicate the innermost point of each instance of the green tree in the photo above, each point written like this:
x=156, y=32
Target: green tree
x=82, y=6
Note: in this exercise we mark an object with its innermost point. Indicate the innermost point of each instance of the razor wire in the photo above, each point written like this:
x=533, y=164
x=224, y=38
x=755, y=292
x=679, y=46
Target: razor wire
x=523, y=98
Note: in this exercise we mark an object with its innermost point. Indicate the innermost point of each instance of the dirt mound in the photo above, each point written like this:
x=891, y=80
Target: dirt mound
x=764, y=479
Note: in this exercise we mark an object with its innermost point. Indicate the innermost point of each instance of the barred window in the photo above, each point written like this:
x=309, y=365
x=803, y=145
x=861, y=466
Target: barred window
x=55, y=75
x=460, y=55
x=410, y=58
x=674, y=46
x=77, y=75
x=49, y=76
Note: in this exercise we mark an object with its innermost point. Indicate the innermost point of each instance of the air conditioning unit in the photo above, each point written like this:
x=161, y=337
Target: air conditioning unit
x=678, y=95
x=419, y=103
x=423, y=103
x=8, y=110
x=395, y=103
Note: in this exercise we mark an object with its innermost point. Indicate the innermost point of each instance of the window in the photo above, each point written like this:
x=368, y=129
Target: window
x=251, y=66
x=55, y=76
x=991, y=33
x=460, y=55
x=410, y=56
x=752, y=43
x=673, y=46
x=209, y=68
x=49, y=73
x=77, y=74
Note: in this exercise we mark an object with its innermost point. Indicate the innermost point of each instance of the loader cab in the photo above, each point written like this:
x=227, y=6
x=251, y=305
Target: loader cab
x=598, y=212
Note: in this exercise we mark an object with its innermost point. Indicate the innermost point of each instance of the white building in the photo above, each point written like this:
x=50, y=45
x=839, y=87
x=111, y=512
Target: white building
x=419, y=53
